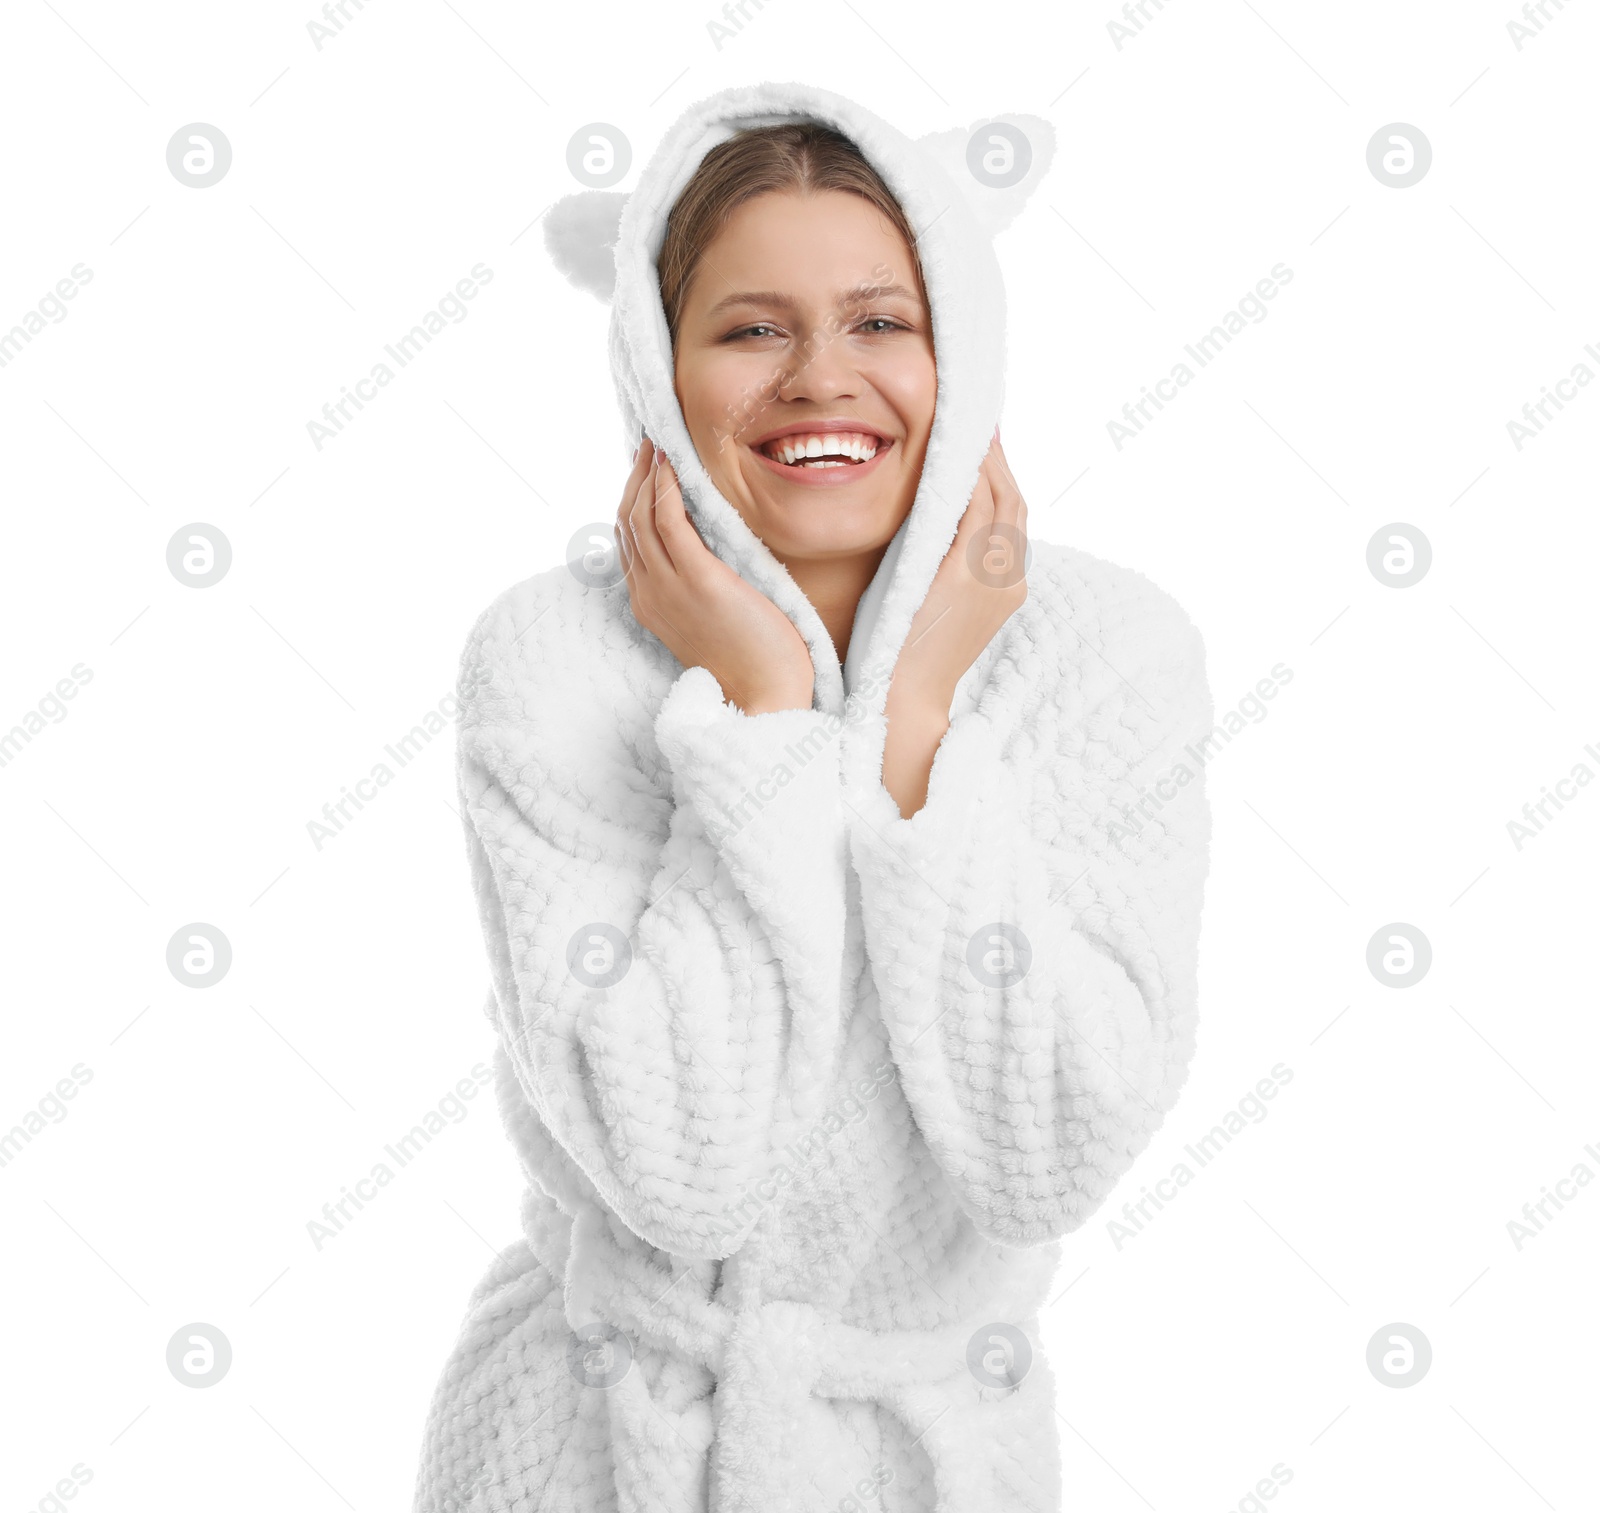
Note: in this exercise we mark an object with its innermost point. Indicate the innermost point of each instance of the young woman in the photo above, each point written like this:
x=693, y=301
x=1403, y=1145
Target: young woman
x=840, y=856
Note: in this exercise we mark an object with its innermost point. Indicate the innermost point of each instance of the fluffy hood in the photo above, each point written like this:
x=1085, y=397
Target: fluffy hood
x=958, y=188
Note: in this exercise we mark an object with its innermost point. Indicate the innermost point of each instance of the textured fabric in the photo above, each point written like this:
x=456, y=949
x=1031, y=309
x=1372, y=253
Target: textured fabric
x=807, y=1093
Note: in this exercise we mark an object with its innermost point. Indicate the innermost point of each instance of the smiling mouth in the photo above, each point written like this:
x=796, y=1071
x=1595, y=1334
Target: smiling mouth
x=815, y=451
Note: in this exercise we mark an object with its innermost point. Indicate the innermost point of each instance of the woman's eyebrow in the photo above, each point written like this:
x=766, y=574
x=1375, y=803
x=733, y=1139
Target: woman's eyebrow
x=860, y=293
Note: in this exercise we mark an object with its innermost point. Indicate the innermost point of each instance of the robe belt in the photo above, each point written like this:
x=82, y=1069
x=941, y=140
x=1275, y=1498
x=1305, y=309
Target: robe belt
x=769, y=1362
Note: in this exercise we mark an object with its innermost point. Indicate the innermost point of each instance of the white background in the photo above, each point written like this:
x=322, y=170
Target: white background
x=371, y=174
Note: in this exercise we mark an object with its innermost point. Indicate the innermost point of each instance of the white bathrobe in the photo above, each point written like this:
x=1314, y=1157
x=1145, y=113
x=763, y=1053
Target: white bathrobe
x=807, y=1093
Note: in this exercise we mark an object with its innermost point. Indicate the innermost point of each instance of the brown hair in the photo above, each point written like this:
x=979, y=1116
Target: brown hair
x=804, y=157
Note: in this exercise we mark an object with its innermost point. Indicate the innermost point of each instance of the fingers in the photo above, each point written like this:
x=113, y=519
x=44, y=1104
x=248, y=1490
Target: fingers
x=1008, y=503
x=980, y=508
x=633, y=490
x=642, y=461
x=650, y=549
x=1022, y=503
x=653, y=531
x=621, y=535
x=1010, y=522
x=679, y=538
x=996, y=518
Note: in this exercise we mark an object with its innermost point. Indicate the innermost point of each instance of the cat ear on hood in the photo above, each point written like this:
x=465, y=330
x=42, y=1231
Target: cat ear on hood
x=580, y=234
x=996, y=162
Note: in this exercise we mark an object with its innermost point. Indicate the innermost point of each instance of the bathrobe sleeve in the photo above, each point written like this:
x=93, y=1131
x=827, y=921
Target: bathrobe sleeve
x=664, y=937
x=1033, y=927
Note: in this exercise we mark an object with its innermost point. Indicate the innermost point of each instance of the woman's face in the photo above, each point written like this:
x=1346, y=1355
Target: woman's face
x=805, y=316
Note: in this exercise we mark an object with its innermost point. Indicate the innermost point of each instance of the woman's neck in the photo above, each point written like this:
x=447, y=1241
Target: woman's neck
x=834, y=585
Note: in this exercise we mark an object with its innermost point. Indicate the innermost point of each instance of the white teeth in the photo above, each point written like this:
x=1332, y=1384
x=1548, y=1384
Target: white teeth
x=854, y=445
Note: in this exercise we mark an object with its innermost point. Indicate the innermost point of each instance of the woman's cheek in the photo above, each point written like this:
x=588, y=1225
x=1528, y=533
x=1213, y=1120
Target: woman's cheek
x=910, y=384
x=720, y=394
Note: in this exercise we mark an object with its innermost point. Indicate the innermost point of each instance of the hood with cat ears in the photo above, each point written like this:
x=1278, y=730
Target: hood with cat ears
x=958, y=188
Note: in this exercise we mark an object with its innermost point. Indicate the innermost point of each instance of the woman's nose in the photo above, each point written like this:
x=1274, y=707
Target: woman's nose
x=823, y=370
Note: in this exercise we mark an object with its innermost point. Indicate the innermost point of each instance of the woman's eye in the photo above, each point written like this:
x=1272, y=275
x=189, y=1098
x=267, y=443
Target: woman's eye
x=762, y=329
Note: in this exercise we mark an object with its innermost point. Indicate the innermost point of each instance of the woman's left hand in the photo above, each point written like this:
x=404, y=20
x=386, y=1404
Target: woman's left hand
x=977, y=589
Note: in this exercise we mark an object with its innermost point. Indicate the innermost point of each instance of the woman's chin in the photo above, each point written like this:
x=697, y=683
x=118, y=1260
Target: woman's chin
x=835, y=541
x=823, y=522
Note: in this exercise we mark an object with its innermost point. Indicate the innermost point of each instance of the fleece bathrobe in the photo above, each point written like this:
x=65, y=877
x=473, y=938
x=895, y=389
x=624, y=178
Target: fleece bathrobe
x=807, y=1093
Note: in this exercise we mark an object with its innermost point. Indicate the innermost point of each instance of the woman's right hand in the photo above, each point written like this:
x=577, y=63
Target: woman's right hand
x=698, y=606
